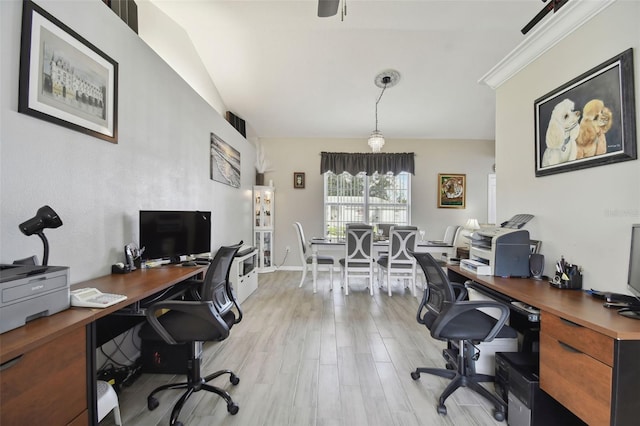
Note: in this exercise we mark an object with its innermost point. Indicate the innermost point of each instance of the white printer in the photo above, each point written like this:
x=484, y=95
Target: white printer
x=504, y=250
x=31, y=291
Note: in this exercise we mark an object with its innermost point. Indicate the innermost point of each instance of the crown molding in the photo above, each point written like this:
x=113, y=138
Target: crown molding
x=569, y=18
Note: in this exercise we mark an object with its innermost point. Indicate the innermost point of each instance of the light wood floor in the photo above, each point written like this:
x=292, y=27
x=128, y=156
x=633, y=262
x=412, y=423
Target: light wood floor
x=320, y=359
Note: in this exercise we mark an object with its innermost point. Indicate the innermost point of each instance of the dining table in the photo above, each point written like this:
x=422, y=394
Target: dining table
x=380, y=246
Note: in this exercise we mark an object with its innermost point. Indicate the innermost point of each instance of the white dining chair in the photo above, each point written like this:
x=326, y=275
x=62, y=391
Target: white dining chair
x=451, y=233
x=358, y=260
x=307, y=261
x=399, y=263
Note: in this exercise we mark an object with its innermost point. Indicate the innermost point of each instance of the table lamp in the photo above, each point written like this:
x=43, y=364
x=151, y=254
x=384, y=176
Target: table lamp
x=44, y=218
x=470, y=227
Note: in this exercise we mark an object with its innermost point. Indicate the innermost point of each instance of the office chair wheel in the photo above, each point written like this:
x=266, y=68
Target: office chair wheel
x=415, y=375
x=498, y=415
x=233, y=408
x=442, y=410
x=152, y=403
x=234, y=379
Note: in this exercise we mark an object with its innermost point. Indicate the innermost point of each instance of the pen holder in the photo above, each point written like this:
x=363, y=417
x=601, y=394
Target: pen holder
x=573, y=282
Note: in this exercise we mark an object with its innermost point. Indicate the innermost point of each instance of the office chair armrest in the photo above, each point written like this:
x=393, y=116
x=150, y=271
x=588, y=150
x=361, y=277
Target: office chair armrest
x=195, y=286
x=232, y=295
x=460, y=291
x=465, y=306
x=423, y=303
x=202, y=309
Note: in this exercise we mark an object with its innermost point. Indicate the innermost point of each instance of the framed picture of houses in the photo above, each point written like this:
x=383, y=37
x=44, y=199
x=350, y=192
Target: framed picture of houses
x=64, y=79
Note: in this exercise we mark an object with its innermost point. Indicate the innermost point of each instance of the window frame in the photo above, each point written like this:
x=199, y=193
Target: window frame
x=366, y=205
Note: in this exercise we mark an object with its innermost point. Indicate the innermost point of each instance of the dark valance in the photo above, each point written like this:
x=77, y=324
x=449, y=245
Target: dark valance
x=354, y=163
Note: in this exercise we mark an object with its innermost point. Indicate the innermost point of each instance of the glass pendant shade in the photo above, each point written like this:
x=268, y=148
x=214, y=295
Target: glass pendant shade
x=376, y=141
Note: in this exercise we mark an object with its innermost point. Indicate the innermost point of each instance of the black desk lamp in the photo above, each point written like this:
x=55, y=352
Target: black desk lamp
x=44, y=218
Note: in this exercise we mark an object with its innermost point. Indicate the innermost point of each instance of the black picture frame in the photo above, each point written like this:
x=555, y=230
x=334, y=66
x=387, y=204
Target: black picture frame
x=64, y=79
x=534, y=246
x=298, y=180
x=589, y=121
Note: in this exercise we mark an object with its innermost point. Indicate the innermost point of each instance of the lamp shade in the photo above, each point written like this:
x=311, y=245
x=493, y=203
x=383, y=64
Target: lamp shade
x=472, y=224
x=44, y=218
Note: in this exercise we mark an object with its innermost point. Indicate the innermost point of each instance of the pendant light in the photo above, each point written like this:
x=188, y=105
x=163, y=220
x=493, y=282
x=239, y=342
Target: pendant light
x=384, y=80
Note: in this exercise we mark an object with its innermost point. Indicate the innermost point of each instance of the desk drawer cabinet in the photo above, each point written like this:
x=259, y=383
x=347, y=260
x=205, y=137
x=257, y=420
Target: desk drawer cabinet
x=47, y=385
x=576, y=380
x=576, y=368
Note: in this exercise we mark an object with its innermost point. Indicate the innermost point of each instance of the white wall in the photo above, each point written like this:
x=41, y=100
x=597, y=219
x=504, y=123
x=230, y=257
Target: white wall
x=172, y=43
x=160, y=162
x=473, y=158
x=585, y=215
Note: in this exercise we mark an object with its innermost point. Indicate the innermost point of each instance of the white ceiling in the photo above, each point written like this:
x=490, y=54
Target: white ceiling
x=291, y=74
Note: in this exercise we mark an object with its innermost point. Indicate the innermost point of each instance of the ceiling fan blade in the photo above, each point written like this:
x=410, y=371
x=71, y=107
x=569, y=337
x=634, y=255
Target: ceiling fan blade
x=327, y=8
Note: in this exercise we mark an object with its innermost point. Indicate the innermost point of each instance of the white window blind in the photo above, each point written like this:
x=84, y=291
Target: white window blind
x=370, y=199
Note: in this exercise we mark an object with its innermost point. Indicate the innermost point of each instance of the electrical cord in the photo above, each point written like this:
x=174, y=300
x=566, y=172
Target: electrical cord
x=116, y=373
x=283, y=260
x=118, y=348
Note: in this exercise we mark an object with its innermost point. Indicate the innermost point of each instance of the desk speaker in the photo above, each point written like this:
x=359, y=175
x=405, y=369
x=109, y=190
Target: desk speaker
x=536, y=265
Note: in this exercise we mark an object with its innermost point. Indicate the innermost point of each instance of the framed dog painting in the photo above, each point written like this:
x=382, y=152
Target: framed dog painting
x=589, y=121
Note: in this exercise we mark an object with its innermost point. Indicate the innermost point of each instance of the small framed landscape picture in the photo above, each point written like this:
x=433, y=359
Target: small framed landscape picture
x=452, y=190
x=298, y=180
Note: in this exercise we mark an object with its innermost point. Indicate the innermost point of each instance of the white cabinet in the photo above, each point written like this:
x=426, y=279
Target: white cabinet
x=263, y=210
x=243, y=275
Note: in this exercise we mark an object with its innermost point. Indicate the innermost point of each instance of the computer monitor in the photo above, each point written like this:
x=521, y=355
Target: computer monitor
x=171, y=234
x=633, y=279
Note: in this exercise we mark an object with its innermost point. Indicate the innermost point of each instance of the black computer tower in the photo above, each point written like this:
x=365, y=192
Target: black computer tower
x=517, y=382
x=162, y=358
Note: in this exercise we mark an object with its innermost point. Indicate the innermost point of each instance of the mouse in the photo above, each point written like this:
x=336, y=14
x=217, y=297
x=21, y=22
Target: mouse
x=189, y=263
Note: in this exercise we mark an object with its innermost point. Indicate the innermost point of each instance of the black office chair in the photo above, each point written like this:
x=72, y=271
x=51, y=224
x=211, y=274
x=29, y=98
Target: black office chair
x=192, y=322
x=459, y=322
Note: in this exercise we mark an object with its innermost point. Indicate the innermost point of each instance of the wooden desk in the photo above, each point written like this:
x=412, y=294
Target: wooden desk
x=48, y=372
x=589, y=355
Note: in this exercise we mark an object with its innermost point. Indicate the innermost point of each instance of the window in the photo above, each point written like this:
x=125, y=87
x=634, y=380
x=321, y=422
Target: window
x=361, y=198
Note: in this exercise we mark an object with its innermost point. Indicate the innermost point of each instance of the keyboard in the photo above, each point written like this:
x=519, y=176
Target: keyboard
x=94, y=298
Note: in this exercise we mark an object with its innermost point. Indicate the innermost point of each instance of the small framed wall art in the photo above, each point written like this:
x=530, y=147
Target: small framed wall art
x=298, y=180
x=534, y=246
x=224, y=162
x=452, y=190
